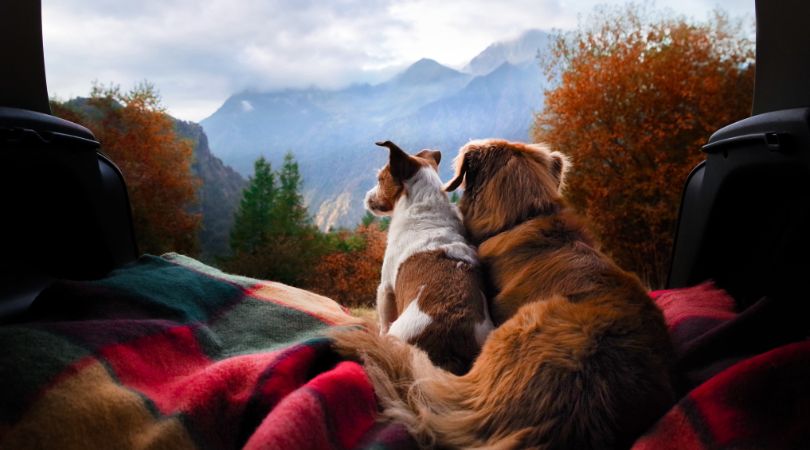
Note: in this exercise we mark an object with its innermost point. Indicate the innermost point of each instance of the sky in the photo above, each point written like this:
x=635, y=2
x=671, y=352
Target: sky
x=199, y=52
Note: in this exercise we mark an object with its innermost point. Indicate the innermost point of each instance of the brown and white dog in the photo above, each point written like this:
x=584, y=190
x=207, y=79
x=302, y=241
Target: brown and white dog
x=430, y=292
x=581, y=357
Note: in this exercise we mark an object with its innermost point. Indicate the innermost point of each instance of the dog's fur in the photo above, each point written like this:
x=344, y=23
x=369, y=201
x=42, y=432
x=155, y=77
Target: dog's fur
x=581, y=358
x=430, y=293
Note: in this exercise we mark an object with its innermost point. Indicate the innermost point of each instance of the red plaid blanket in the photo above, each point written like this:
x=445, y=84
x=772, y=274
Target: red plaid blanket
x=745, y=377
x=170, y=353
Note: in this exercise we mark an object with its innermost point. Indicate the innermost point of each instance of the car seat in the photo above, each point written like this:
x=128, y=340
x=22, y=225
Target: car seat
x=65, y=209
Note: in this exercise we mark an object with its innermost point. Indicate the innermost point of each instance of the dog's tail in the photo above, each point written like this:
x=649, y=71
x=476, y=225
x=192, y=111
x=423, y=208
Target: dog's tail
x=435, y=405
x=556, y=375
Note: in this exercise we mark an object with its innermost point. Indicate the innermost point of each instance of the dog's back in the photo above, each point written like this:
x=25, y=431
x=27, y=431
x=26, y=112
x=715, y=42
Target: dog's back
x=444, y=308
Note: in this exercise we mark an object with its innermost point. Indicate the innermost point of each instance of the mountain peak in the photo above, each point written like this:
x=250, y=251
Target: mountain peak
x=426, y=71
x=519, y=50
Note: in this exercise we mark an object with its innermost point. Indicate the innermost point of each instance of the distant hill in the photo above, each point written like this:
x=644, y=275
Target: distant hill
x=219, y=193
x=332, y=132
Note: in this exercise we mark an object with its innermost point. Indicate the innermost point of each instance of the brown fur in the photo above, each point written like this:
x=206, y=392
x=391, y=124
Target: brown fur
x=450, y=292
x=581, y=360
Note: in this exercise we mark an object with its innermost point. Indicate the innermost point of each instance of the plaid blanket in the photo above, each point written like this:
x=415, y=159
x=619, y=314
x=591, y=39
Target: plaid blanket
x=170, y=353
x=745, y=378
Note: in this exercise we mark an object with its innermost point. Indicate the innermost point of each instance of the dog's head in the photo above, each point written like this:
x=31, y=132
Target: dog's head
x=506, y=183
x=391, y=180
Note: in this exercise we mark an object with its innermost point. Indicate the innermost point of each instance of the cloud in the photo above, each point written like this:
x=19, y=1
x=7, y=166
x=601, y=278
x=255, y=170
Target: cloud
x=198, y=52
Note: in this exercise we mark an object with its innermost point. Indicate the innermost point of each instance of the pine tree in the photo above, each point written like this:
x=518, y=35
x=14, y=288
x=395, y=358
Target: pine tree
x=254, y=221
x=289, y=210
x=273, y=237
x=368, y=219
x=382, y=222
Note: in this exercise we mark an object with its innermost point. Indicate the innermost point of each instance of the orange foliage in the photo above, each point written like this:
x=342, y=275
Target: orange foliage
x=137, y=134
x=351, y=277
x=636, y=100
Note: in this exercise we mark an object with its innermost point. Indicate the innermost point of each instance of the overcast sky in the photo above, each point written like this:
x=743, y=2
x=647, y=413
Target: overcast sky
x=199, y=52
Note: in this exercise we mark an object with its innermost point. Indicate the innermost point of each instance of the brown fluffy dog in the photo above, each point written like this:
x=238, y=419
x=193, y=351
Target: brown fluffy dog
x=581, y=360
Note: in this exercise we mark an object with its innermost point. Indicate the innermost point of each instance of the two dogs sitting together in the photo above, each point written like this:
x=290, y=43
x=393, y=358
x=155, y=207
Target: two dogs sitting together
x=535, y=339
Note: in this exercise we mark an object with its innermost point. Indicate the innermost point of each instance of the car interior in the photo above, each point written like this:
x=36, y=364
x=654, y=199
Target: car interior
x=743, y=215
x=744, y=219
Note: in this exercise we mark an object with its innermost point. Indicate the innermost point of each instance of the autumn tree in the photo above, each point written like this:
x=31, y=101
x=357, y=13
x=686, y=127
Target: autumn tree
x=350, y=272
x=638, y=95
x=138, y=135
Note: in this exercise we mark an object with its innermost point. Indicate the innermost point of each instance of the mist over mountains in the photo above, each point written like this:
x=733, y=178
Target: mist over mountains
x=332, y=132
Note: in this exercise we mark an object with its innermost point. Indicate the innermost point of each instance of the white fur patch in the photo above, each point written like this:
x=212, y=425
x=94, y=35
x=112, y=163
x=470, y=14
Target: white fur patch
x=412, y=322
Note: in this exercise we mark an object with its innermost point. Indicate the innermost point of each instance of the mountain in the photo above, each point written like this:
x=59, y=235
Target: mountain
x=522, y=49
x=500, y=104
x=426, y=71
x=219, y=193
x=332, y=132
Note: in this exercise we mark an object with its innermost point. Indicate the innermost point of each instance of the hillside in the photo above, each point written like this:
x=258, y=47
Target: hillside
x=219, y=193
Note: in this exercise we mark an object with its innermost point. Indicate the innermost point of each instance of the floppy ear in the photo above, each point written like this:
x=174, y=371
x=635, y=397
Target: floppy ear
x=401, y=164
x=559, y=167
x=456, y=182
x=435, y=155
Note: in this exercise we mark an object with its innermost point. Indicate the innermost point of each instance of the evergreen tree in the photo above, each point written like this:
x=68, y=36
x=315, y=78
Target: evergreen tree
x=368, y=219
x=273, y=237
x=289, y=210
x=255, y=218
x=382, y=222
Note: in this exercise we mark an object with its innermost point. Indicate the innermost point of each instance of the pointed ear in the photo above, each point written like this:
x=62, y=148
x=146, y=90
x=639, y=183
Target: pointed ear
x=434, y=155
x=456, y=182
x=401, y=164
x=559, y=167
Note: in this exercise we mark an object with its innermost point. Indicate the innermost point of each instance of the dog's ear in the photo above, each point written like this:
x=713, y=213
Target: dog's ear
x=402, y=165
x=559, y=167
x=456, y=182
x=434, y=155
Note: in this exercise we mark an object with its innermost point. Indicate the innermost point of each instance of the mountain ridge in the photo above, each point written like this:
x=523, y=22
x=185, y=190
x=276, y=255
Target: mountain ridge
x=331, y=132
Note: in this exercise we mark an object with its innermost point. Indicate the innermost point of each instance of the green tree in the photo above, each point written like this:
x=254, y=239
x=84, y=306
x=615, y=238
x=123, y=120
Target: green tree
x=254, y=219
x=368, y=219
x=382, y=222
x=289, y=212
x=273, y=236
